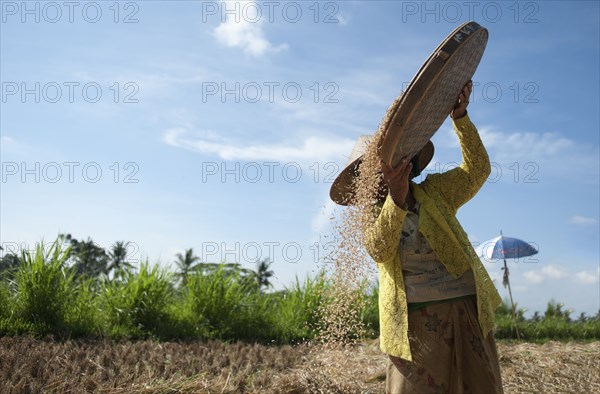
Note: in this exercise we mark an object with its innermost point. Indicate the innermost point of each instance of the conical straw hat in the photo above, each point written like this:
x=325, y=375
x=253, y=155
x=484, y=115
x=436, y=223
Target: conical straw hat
x=342, y=190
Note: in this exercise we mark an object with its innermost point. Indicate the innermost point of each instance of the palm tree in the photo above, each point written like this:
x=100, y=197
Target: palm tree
x=185, y=264
x=89, y=260
x=263, y=273
x=118, y=255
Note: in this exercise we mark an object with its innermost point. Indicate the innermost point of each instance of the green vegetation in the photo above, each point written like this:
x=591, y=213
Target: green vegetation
x=554, y=324
x=76, y=289
x=43, y=291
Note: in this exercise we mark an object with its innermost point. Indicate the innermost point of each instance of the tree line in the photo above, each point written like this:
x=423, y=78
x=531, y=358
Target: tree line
x=88, y=260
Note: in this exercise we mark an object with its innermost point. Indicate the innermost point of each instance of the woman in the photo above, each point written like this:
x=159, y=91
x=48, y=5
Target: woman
x=436, y=300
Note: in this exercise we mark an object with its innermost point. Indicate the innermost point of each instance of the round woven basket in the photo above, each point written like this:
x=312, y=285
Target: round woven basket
x=414, y=116
x=422, y=108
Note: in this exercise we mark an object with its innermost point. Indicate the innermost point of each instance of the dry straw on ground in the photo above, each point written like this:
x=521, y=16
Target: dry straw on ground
x=37, y=366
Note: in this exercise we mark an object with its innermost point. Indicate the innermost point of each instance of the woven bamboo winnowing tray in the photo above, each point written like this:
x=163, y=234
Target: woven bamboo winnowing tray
x=418, y=113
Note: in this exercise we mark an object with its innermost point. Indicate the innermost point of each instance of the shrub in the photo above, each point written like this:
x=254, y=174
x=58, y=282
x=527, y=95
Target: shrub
x=298, y=308
x=220, y=304
x=44, y=290
x=136, y=305
x=84, y=312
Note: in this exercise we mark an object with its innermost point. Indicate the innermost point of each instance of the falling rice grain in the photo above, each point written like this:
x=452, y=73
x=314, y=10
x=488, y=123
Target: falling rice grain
x=341, y=308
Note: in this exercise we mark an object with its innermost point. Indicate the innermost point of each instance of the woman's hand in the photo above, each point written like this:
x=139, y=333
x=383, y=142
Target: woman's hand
x=397, y=180
x=460, y=108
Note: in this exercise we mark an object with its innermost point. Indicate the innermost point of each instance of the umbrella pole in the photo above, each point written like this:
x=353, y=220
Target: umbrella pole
x=512, y=304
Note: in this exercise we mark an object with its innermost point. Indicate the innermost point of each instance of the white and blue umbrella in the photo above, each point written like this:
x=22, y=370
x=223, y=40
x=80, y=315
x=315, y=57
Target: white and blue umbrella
x=506, y=248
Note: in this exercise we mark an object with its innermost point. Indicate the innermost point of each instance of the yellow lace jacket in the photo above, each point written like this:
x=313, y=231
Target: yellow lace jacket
x=440, y=196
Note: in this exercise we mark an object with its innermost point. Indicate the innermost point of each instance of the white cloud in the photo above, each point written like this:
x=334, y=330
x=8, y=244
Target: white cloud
x=6, y=140
x=524, y=145
x=582, y=220
x=311, y=149
x=588, y=277
x=23, y=149
x=533, y=277
x=343, y=19
x=553, y=272
x=537, y=155
x=245, y=33
x=547, y=272
x=557, y=272
x=507, y=147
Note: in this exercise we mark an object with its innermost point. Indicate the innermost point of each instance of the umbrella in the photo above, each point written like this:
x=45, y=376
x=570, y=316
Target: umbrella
x=502, y=248
x=505, y=247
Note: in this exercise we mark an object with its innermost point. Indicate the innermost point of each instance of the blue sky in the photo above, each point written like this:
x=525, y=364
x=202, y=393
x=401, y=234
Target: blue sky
x=220, y=127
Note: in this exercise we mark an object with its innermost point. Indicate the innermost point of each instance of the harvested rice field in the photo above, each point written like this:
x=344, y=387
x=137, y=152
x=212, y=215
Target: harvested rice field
x=34, y=366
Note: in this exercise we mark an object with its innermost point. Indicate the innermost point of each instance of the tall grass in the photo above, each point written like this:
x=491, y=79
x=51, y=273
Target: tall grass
x=222, y=304
x=44, y=290
x=298, y=308
x=136, y=304
x=5, y=301
x=84, y=314
x=43, y=298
